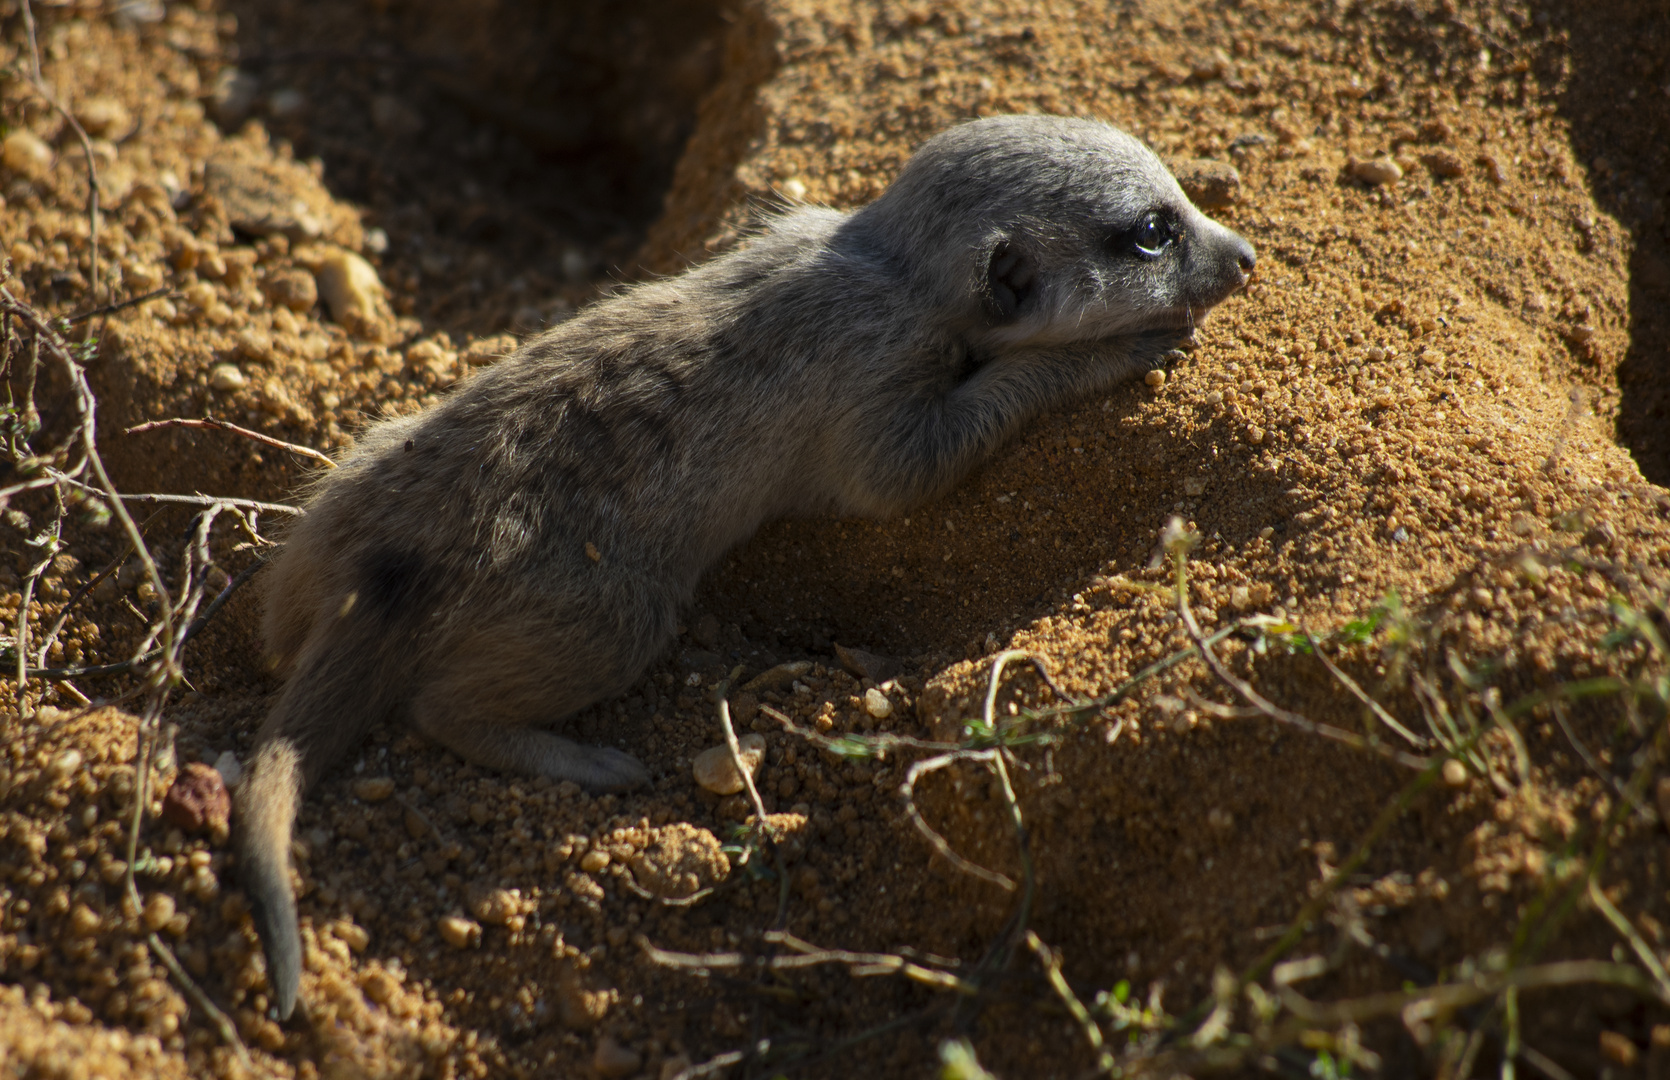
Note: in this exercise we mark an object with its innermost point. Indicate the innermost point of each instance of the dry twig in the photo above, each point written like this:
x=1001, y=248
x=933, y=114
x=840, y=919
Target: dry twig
x=210, y=424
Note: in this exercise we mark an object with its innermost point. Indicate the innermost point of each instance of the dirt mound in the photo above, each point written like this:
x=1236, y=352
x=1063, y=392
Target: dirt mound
x=1431, y=435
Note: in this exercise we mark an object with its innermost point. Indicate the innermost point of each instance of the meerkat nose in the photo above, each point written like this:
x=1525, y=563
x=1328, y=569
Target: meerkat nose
x=1247, y=257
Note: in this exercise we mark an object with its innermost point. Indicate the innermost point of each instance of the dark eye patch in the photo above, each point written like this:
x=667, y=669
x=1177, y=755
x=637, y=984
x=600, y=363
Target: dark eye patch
x=1149, y=238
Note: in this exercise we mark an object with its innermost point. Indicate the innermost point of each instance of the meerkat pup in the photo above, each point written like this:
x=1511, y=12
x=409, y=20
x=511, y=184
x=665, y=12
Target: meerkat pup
x=521, y=550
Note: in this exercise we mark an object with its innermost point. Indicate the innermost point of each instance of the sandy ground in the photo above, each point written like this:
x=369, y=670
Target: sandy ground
x=1443, y=399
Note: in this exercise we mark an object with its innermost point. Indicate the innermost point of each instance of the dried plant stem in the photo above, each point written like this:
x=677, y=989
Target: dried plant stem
x=1259, y=701
x=222, y=1023
x=1092, y=1031
x=208, y=424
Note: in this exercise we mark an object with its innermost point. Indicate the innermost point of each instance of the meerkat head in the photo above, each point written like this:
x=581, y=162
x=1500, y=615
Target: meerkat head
x=1036, y=229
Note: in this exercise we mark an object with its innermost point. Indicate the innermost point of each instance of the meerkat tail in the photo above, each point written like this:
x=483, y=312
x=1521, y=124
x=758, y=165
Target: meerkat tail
x=337, y=693
x=267, y=801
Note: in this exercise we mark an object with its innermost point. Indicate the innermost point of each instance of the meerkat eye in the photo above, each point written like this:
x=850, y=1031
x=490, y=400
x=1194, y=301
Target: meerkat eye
x=1150, y=238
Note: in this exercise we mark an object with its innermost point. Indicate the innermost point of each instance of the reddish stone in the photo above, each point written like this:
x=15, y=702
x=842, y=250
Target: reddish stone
x=198, y=799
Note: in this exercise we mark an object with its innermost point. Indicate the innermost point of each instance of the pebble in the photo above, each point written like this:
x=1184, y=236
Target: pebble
x=1155, y=378
x=198, y=799
x=1618, y=1049
x=496, y=906
x=26, y=154
x=64, y=764
x=159, y=911
x=877, y=704
x=233, y=96
x=795, y=188
x=614, y=1060
x=594, y=860
x=103, y=118
x=349, y=286
x=1208, y=184
x=351, y=934
x=1455, y=773
x=1376, y=172
x=1193, y=485
x=867, y=665
x=379, y=986
x=263, y=197
x=373, y=788
x=286, y=103
x=715, y=771
x=1444, y=164
x=254, y=343
x=293, y=288
x=781, y=675
x=84, y=921
x=459, y=932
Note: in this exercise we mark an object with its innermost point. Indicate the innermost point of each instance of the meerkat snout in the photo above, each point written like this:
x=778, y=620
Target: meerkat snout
x=487, y=567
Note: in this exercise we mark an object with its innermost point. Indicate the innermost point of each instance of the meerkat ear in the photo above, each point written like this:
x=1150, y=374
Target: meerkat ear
x=1011, y=278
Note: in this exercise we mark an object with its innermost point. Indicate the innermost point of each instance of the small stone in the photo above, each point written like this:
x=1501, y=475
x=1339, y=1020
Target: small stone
x=594, y=860
x=1376, y=172
x=781, y=675
x=262, y=196
x=373, y=789
x=228, y=767
x=233, y=96
x=64, y=764
x=84, y=921
x=1444, y=164
x=158, y=911
x=197, y=799
x=1208, y=184
x=379, y=985
x=1155, y=378
x=867, y=665
x=716, y=772
x=1618, y=1049
x=592, y=553
x=350, y=288
x=104, y=118
x=26, y=154
x=1193, y=486
x=254, y=343
x=578, y=1008
x=459, y=932
x=496, y=906
x=351, y=934
x=286, y=103
x=293, y=288
x=1255, y=434
x=613, y=1060
x=877, y=704
x=1455, y=773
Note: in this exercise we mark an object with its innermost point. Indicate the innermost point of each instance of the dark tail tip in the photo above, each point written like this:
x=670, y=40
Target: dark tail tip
x=274, y=910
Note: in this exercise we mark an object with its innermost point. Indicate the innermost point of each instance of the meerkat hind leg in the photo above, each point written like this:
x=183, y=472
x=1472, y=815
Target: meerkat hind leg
x=494, y=697
x=531, y=750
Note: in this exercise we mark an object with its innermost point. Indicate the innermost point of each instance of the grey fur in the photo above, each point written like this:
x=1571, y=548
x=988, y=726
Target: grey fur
x=840, y=363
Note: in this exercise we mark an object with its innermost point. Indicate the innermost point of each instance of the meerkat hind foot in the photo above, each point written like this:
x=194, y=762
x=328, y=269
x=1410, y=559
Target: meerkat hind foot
x=598, y=769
